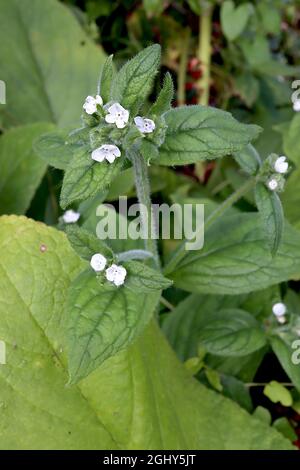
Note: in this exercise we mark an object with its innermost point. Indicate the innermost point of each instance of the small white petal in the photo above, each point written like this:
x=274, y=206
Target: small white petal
x=71, y=217
x=99, y=100
x=281, y=319
x=272, y=184
x=144, y=125
x=281, y=166
x=296, y=105
x=110, y=118
x=98, y=155
x=120, y=123
x=116, y=274
x=110, y=157
x=279, y=309
x=98, y=262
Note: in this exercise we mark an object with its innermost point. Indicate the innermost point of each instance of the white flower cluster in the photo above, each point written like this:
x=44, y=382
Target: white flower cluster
x=279, y=310
x=281, y=166
x=115, y=274
x=119, y=116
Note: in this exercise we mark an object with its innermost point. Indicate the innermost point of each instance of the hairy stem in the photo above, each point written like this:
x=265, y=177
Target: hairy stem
x=144, y=198
x=221, y=209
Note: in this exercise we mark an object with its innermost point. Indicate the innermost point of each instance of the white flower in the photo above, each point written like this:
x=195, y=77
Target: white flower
x=98, y=262
x=272, y=184
x=144, y=125
x=281, y=319
x=106, y=152
x=281, y=166
x=279, y=309
x=296, y=105
x=117, y=115
x=70, y=217
x=90, y=104
x=116, y=274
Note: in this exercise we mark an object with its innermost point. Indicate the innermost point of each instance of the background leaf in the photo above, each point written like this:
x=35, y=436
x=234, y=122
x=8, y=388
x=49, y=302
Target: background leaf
x=54, y=63
x=21, y=168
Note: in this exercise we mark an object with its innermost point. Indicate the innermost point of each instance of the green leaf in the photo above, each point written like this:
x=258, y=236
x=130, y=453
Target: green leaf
x=106, y=77
x=214, y=379
x=285, y=428
x=21, y=168
x=103, y=320
x=237, y=391
x=194, y=365
x=198, y=133
x=53, y=149
x=291, y=144
x=277, y=393
x=238, y=260
x=183, y=326
x=282, y=347
x=142, y=278
x=153, y=7
x=263, y=414
x=247, y=87
x=232, y=332
x=271, y=213
x=146, y=378
x=134, y=81
x=270, y=17
x=84, y=177
x=248, y=159
x=234, y=20
x=291, y=198
x=164, y=99
x=54, y=66
x=86, y=244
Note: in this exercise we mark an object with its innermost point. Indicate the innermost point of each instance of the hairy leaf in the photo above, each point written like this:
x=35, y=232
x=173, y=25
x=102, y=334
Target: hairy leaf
x=236, y=259
x=270, y=209
x=103, y=319
x=198, y=133
x=86, y=244
x=133, y=82
x=143, y=278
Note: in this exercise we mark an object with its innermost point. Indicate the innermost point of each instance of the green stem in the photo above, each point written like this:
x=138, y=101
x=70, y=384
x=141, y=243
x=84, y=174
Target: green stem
x=204, y=54
x=183, y=67
x=144, y=198
x=221, y=209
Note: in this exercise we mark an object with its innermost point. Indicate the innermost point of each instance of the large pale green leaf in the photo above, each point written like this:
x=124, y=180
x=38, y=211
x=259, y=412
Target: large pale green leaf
x=47, y=61
x=21, y=169
x=236, y=258
x=282, y=347
x=103, y=320
x=199, y=133
x=140, y=399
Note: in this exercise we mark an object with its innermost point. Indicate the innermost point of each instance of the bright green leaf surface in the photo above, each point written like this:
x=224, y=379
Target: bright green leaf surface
x=141, y=398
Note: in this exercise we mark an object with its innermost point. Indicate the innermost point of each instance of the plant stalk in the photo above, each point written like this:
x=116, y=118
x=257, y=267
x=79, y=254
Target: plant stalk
x=221, y=209
x=183, y=67
x=144, y=197
x=204, y=54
